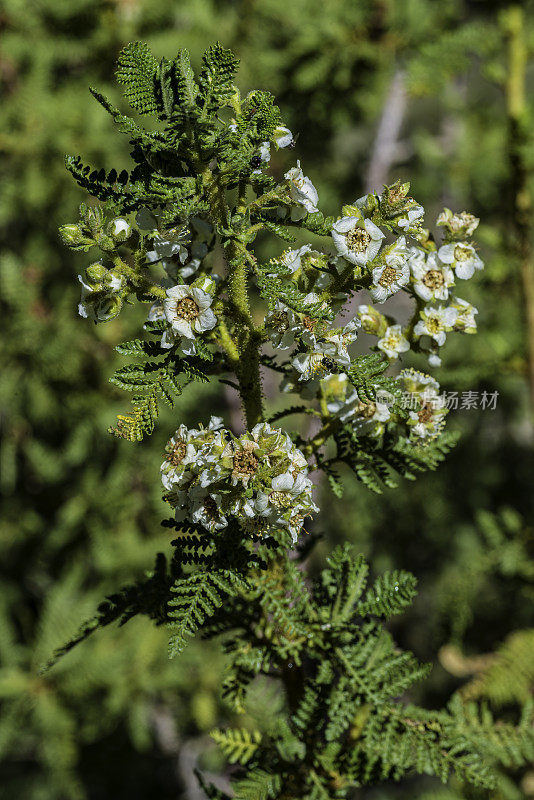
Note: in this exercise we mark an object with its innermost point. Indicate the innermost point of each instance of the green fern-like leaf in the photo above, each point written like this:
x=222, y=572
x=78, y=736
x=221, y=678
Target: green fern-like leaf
x=196, y=598
x=237, y=744
x=219, y=67
x=390, y=594
x=137, y=71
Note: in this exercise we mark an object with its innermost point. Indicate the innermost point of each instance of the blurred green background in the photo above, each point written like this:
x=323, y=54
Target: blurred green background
x=375, y=89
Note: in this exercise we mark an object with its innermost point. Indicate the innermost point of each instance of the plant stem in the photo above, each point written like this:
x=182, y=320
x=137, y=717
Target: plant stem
x=514, y=23
x=244, y=347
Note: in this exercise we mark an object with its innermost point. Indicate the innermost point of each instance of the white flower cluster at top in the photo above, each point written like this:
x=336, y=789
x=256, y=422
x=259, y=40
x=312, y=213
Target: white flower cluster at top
x=259, y=478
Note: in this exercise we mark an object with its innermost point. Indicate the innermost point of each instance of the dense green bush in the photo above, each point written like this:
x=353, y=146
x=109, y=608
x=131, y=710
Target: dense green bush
x=80, y=511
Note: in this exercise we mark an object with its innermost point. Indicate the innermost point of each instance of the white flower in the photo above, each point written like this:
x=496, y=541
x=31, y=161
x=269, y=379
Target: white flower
x=205, y=509
x=181, y=451
x=341, y=338
x=415, y=381
x=288, y=501
x=426, y=420
x=282, y=137
x=292, y=259
x=393, y=274
x=435, y=322
x=302, y=190
x=458, y=225
x=283, y=326
x=120, y=229
x=316, y=364
x=329, y=351
x=393, y=342
x=357, y=240
x=411, y=219
x=285, y=489
x=188, y=310
x=462, y=257
x=432, y=279
x=465, y=321
x=100, y=300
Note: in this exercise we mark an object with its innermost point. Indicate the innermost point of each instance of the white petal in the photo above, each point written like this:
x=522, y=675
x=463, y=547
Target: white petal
x=283, y=482
x=207, y=320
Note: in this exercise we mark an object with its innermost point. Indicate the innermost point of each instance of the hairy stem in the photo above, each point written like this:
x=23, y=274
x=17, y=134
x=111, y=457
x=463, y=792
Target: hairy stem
x=244, y=348
x=522, y=200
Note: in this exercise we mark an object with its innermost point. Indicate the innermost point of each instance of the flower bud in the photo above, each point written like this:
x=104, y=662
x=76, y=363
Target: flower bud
x=119, y=229
x=373, y=321
x=205, y=283
x=71, y=234
x=95, y=273
x=108, y=308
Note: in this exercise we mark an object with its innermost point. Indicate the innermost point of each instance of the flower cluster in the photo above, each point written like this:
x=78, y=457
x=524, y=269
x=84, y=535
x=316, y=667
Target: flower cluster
x=421, y=420
x=259, y=478
x=377, y=244
x=102, y=293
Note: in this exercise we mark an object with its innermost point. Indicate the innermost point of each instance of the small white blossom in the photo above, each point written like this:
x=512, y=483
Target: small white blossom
x=188, y=310
x=435, y=322
x=329, y=351
x=431, y=278
x=411, y=219
x=181, y=451
x=356, y=239
x=292, y=258
x=284, y=326
x=282, y=137
x=393, y=274
x=393, y=342
x=343, y=402
x=465, y=321
x=302, y=190
x=458, y=225
x=427, y=417
x=205, y=509
x=462, y=257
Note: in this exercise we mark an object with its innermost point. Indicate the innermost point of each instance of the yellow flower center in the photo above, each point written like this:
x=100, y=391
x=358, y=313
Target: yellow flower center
x=245, y=463
x=461, y=253
x=388, y=277
x=357, y=239
x=366, y=410
x=425, y=413
x=176, y=455
x=187, y=309
x=434, y=279
x=281, y=499
x=433, y=325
